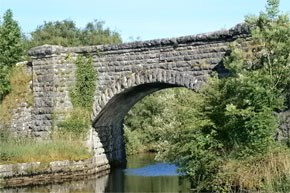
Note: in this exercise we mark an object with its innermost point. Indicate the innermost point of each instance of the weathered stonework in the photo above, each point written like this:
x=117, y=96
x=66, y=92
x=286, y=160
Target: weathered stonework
x=98, y=184
x=126, y=73
x=20, y=123
x=25, y=174
x=284, y=125
x=51, y=84
x=21, y=120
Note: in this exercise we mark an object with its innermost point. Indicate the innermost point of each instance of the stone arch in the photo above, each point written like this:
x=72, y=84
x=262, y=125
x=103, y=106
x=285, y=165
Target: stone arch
x=113, y=103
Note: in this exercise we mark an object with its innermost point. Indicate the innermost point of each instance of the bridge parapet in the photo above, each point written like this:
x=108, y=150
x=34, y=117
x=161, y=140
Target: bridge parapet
x=239, y=31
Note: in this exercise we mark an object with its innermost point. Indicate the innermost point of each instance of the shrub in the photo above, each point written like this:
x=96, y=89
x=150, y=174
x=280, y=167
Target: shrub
x=82, y=94
x=20, y=93
x=74, y=124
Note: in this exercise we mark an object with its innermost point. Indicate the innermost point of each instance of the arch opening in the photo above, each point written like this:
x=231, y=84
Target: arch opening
x=116, y=109
x=110, y=123
x=114, y=103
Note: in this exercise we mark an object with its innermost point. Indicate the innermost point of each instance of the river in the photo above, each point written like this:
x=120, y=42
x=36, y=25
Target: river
x=142, y=174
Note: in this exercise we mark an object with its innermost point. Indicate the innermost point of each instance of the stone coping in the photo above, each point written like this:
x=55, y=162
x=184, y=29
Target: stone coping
x=23, y=174
x=240, y=30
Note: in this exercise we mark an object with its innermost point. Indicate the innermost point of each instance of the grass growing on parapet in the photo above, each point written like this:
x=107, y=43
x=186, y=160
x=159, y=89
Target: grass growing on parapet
x=20, y=93
x=23, y=150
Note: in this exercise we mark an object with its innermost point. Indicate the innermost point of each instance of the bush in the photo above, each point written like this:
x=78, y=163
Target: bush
x=20, y=93
x=66, y=33
x=132, y=142
x=82, y=94
x=74, y=124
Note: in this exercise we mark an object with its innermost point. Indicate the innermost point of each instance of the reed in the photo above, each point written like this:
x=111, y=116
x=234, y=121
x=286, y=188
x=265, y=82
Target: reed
x=264, y=173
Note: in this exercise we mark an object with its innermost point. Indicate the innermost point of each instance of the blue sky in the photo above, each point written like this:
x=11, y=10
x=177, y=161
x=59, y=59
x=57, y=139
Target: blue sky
x=147, y=19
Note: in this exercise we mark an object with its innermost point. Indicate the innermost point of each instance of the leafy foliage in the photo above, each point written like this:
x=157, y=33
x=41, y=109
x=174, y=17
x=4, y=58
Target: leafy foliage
x=74, y=124
x=155, y=117
x=83, y=92
x=238, y=111
x=66, y=33
x=63, y=33
x=11, y=49
x=244, y=122
x=95, y=34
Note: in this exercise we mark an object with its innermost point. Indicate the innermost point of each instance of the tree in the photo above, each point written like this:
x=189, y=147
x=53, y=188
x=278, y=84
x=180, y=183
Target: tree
x=237, y=119
x=11, y=49
x=66, y=33
x=95, y=34
x=156, y=116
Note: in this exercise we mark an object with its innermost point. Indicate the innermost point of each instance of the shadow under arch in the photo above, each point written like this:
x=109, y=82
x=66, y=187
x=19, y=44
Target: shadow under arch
x=114, y=102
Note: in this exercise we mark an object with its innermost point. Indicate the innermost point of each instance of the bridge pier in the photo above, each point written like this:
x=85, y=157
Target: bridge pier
x=109, y=141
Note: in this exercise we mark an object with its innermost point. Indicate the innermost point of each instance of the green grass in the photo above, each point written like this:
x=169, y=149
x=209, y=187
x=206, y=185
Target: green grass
x=264, y=173
x=20, y=92
x=73, y=124
x=14, y=150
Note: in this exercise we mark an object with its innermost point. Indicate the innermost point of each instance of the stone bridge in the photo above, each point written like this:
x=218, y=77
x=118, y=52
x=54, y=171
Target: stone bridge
x=126, y=73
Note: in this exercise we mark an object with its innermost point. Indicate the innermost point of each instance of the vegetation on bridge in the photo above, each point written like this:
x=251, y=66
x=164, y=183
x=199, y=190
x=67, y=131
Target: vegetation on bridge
x=82, y=97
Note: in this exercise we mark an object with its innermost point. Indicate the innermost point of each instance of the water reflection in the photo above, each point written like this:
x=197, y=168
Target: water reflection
x=142, y=174
x=158, y=169
x=79, y=186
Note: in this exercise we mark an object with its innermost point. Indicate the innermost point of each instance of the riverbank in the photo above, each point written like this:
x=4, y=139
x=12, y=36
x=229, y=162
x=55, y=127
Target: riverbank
x=140, y=175
x=26, y=174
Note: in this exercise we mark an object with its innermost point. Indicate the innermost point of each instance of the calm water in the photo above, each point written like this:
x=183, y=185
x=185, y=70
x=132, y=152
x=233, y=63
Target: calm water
x=142, y=174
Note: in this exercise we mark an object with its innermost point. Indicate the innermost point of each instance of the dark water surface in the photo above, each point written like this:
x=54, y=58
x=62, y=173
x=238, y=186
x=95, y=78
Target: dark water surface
x=142, y=174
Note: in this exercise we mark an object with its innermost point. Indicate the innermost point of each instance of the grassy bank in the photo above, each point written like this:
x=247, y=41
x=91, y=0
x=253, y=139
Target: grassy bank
x=264, y=173
x=15, y=150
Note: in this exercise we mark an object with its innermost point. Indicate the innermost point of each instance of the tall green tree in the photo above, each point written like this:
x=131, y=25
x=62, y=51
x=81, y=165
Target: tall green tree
x=11, y=49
